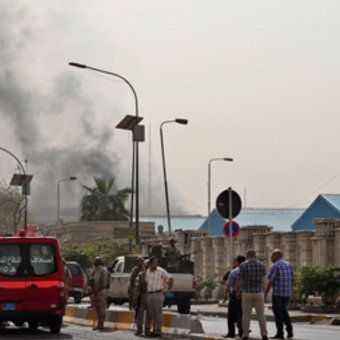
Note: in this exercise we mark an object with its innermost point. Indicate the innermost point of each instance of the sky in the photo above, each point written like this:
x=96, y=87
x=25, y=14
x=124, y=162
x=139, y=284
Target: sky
x=258, y=82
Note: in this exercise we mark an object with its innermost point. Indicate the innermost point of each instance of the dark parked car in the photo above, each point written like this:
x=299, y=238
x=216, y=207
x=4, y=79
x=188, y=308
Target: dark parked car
x=79, y=281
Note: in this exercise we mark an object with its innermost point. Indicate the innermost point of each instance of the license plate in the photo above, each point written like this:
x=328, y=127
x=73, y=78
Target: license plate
x=8, y=306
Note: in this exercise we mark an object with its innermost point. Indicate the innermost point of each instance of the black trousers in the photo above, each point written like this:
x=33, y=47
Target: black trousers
x=280, y=310
x=234, y=314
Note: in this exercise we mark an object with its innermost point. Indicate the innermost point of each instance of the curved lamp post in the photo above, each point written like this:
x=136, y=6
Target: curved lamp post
x=178, y=121
x=72, y=178
x=209, y=186
x=135, y=151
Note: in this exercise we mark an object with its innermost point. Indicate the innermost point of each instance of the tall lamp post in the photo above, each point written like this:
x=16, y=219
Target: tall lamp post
x=209, y=186
x=178, y=121
x=72, y=178
x=136, y=138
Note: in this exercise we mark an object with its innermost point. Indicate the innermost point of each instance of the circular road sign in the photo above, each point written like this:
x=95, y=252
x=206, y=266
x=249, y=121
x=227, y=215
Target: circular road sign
x=235, y=229
x=222, y=203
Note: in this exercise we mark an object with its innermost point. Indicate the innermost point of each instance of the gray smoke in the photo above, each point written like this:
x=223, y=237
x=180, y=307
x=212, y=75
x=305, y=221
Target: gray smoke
x=54, y=130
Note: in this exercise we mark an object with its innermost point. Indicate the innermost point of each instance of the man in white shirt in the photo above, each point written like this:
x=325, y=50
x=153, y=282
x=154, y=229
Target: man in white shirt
x=157, y=278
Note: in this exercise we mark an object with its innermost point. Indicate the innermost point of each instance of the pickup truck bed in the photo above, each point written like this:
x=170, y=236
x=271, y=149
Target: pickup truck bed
x=181, y=293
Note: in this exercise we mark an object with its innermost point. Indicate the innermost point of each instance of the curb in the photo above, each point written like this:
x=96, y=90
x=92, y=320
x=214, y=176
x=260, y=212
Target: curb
x=174, y=324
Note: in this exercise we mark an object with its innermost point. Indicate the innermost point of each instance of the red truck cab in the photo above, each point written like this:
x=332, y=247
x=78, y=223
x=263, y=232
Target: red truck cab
x=32, y=285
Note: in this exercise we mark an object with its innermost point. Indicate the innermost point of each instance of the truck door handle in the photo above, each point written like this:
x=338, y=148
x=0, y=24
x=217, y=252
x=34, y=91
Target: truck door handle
x=32, y=286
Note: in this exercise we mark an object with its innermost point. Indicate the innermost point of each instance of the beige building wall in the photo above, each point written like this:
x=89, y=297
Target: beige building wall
x=303, y=251
x=302, y=248
x=90, y=231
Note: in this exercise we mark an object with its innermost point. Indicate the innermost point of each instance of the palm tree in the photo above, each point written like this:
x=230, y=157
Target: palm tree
x=102, y=205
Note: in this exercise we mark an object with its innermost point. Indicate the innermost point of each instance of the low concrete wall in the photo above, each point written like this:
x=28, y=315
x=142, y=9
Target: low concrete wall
x=175, y=324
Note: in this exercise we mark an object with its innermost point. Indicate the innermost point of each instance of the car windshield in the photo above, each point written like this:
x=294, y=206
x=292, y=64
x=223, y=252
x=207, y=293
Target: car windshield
x=74, y=268
x=34, y=259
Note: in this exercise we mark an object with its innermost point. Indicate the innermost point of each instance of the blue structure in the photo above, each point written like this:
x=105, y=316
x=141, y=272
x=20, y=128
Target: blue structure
x=279, y=219
x=324, y=206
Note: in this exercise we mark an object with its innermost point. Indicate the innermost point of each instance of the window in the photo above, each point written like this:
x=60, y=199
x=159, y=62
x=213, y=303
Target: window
x=74, y=268
x=10, y=259
x=119, y=268
x=42, y=259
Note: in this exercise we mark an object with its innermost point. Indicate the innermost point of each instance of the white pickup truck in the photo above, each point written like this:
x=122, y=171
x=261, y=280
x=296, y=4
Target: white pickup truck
x=181, y=293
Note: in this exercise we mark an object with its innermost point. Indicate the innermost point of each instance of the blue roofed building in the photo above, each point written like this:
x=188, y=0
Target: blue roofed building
x=324, y=206
x=280, y=219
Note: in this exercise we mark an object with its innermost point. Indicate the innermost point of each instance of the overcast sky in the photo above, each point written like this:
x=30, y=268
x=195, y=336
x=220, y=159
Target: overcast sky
x=258, y=81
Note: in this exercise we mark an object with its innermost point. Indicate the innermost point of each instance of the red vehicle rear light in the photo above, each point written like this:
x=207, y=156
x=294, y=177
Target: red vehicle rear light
x=194, y=283
x=22, y=233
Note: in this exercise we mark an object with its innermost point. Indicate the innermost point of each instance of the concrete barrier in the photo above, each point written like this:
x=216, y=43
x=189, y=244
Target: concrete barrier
x=175, y=324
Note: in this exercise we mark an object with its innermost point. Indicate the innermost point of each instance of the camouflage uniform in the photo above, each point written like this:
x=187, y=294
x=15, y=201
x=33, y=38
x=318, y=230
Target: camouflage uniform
x=132, y=284
x=141, y=294
x=99, y=290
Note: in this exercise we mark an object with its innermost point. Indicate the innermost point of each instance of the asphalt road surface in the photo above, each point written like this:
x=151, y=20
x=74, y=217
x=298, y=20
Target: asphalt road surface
x=69, y=332
x=302, y=331
x=211, y=325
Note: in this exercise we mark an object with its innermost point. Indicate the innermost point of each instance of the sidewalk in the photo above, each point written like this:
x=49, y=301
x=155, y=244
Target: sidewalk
x=220, y=310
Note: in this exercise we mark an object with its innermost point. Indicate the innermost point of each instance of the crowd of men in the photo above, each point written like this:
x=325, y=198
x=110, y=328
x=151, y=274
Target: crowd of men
x=148, y=285
x=244, y=286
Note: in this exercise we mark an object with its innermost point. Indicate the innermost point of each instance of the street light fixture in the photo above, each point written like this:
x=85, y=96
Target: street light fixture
x=137, y=132
x=209, y=186
x=72, y=178
x=178, y=121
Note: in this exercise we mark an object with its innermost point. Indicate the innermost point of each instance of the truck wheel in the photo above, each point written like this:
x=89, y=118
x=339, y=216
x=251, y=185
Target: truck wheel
x=184, y=308
x=33, y=324
x=55, y=324
x=77, y=299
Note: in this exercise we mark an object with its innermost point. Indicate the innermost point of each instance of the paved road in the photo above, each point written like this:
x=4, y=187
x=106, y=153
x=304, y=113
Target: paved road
x=305, y=331
x=68, y=332
x=211, y=325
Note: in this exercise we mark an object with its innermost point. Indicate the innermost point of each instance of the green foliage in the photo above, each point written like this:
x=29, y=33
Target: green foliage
x=12, y=209
x=102, y=205
x=209, y=281
x=85, y=254
x=318, y=281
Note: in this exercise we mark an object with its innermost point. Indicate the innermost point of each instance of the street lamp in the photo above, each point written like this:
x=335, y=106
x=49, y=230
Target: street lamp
x=135, y=150
x=178, y=121
x=209, y=186
x=72, y=178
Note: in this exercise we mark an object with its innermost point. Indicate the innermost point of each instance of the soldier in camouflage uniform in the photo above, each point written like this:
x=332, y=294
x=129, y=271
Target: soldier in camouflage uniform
x=133, y=276
x=100, y=283
x=173, y=256
x=140, y=299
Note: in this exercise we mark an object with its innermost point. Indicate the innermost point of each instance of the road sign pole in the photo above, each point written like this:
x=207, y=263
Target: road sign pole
x=230, y=227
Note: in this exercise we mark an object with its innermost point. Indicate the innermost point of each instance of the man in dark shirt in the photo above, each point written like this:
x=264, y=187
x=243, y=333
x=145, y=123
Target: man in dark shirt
x=251, y=283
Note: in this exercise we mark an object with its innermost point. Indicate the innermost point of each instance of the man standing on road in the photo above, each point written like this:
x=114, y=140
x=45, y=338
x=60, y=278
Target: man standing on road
x=156, y=278
x=235, y=307
x=140, y=300
x=251, y=283
x=133, y=276
x=100, y=283
x=281, y=277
